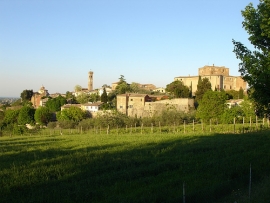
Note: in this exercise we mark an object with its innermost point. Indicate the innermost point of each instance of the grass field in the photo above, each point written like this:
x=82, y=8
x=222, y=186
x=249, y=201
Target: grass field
x=135, y=167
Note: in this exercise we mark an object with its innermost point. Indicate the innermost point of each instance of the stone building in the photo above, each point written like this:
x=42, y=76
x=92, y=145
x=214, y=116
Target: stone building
x=142, y=105
x=218, y=76
x=37, y=97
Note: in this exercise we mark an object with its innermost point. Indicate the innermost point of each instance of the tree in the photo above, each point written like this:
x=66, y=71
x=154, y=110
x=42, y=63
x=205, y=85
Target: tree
x=122, y=86
x=11, y=116
x=203, y=86
x=54, y=104
x=178, y=89
x=26, y=115
x=211, y=106
x=78, y=88
x=104, y=96
x=83, y=98
x=72, y=114
x=26, y=95
x=241, y=93
x=43, y=115
x=255, y=65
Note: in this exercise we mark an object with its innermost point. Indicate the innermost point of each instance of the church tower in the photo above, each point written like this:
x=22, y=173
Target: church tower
x=90, y=80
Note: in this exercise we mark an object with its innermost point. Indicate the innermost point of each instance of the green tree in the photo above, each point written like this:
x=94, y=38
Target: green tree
x=122, y=86
x=212, y=105
x=83, y=98
x=43, y=115
x=11, y=116
x=229, y=114
x=94, y=97
x=254, y=66
x=241, y=93
x=26, y=95
x=54, y=104
x=72, y=114
x=104, y=96
x=78, y=88
x=26, y=115
x=178, y=89
x=203, y=86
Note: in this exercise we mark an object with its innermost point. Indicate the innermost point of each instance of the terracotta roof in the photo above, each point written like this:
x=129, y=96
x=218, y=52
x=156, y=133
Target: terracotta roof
x=93, y=104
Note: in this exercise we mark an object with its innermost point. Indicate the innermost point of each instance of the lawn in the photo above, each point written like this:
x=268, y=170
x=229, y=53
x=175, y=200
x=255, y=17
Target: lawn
x=135, y=167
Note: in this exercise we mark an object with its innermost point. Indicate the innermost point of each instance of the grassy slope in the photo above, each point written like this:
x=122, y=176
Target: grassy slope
x=134, y=168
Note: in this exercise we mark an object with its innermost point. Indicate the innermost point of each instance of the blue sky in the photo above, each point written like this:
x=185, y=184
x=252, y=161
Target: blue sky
x=55, y=43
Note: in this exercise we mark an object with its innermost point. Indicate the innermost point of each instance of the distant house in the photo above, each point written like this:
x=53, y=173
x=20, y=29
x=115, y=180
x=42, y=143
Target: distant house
x=234, y=102
x=107, y=89
x=91, y=107
x=159, y=89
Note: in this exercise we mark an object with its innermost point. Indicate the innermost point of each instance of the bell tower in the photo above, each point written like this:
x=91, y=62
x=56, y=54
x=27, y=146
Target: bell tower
x=90, y=80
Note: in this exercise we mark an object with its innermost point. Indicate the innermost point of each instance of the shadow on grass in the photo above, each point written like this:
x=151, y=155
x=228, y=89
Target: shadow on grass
x=212, y=167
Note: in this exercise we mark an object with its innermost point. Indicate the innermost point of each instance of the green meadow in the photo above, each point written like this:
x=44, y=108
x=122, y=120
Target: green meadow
x=135, y=167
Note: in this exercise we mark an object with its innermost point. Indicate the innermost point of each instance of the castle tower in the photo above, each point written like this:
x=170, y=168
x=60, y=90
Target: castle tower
x=90, y=80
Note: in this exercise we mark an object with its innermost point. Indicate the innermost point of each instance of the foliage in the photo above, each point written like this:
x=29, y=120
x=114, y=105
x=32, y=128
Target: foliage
x=229, y=114
x=178, y=89
x=67, y=124
x=248, y=109
x=54, y=104
x=78, y=88
x=203, y=86
x=254, y=66
x=71, y=114
x=11, y=116
x=52, y=125
x=83, y=98
x=26, y=115
x=241, y=93
x=70, y=97
x=94, y=97
x=104, y=96
x=122, y=86
x=2, y=115
x=43, y=115
x=211, y=106
x=26, y=95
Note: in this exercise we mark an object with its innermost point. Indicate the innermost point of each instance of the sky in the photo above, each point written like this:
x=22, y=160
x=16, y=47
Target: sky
x=56, y=43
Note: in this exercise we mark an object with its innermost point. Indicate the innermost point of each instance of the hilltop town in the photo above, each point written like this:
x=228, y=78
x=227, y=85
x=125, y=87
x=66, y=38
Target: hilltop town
x=140, y=100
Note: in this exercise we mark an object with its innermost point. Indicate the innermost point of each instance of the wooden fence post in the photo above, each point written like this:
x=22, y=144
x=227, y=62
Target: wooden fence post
x=184, y=126
x=234, y=125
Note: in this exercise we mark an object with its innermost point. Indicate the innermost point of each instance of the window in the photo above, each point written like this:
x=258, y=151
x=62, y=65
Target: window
x=130, y=106
x=131, y=99
x=121, y=107
x=224, y=86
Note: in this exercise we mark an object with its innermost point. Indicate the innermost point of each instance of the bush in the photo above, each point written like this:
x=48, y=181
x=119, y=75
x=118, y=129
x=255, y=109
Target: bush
x=66, y=124
x=51, y=125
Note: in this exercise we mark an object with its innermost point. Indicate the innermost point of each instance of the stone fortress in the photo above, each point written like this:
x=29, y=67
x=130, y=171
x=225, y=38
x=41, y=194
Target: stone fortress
x=218, y=76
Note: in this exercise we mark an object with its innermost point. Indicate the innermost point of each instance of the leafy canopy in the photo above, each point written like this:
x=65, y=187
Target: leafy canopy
x=178, y=89
x=212, y=105
x=255, y=65
x=203, y=86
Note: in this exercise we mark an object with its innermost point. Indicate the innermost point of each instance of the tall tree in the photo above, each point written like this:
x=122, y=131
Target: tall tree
x=73, y=113
x=255, y=65
x=26, y=95
x=78, y=88
x=212, y=105
x=104, y=96
x=26, y=115
x=43, y=115
x=55, y=104
x=178, y=89
x=203, y=86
